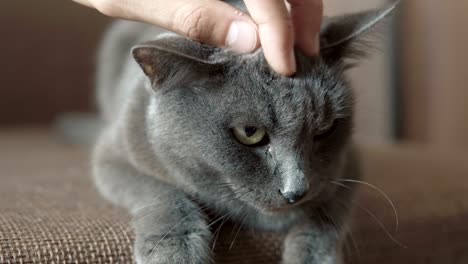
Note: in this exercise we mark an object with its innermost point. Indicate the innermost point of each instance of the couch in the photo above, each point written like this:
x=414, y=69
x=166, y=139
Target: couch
x=50, y=212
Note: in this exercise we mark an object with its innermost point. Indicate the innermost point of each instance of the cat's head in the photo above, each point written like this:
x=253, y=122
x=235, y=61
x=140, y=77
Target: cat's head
x=226, y=126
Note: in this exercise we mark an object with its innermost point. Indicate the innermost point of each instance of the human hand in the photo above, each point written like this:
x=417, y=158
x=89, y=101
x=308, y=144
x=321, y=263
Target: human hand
x=215, y=22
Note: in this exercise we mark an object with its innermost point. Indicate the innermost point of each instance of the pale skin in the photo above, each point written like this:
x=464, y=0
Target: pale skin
x=275, y=25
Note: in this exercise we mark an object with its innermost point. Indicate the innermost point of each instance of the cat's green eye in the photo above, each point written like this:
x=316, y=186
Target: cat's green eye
x=249, y=135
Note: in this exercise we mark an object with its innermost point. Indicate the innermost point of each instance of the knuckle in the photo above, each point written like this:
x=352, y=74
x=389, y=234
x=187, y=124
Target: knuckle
x=194, y=22
x=281, y=19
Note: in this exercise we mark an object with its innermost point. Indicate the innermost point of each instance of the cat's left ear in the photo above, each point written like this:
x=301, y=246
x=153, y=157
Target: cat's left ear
x=351, y=36
x=175, y=59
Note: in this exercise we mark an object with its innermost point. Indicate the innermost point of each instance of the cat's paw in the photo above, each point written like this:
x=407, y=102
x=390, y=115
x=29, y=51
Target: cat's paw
x=190, y=248
x=309, y=244
x=311, y=259
x=303, y=251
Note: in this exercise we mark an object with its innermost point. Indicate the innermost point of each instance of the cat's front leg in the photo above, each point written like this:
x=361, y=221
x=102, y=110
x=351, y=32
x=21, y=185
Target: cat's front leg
x=173, y=232
x=311, y=243
x=169, y=226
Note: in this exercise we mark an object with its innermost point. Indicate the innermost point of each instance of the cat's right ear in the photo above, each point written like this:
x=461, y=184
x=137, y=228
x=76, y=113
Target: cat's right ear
x=173, y=60
x=352, y=35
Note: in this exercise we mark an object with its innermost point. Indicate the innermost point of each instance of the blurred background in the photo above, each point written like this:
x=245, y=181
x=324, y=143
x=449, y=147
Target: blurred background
x=411, y=89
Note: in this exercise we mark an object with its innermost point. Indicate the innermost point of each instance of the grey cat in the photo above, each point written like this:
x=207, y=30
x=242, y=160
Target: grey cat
x=191, y=127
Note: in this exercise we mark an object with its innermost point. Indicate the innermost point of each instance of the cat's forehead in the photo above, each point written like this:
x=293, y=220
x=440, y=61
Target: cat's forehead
x=314, y=97
x=314, y=83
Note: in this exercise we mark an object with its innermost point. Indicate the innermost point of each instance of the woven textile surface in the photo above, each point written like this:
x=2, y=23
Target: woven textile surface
x=50, y=212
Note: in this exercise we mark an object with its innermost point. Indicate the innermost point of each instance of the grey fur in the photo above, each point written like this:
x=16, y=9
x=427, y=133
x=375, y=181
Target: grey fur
x=167, y=151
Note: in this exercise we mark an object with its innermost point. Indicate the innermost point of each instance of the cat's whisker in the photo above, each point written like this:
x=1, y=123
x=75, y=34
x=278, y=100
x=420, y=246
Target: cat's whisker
x=345, y=231
x=321, y=220
x=138, y=217
x=370, y=213
x=397, y=222
x=198, y=209
x=348, y=230
x=349, y=233
x=176, y=225
x=167, y=233
x=238, y=230
x=217, y=219
x=335, y=225
x=144, y=207
x=341, y=185
x=227, y=216
x=244, y=193
x=131, y=224
x=377, y=220
x=232, y=243
x=218, y=230
x=223, y=184
x=240, y=188
x=194, y=211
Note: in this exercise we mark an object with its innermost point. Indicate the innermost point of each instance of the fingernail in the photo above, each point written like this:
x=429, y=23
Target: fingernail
x=241, y=37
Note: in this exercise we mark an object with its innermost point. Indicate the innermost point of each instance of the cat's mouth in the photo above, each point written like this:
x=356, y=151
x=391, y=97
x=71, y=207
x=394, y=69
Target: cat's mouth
x=279, y=203
x=272, y=209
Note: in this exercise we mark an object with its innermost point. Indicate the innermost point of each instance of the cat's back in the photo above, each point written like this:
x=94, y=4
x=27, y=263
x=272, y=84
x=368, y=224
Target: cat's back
x=117, y=74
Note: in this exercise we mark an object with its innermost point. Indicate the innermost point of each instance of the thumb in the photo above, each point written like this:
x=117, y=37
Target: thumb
x=209, y=21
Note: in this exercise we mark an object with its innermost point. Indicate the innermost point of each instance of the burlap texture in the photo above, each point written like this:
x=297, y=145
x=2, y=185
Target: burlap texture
x=50, y=213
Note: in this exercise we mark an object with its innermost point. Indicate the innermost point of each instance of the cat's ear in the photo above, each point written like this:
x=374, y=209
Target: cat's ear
x=351, y=36
x=175, y=59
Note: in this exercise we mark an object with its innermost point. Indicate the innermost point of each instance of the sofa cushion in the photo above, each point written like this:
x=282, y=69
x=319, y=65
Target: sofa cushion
x=50, y=212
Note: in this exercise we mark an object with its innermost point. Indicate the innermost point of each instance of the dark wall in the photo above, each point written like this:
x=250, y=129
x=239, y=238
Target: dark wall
x=47, y=56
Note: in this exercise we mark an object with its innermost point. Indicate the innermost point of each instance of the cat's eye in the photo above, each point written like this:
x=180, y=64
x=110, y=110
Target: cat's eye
x=328, y=132
x=250, y=135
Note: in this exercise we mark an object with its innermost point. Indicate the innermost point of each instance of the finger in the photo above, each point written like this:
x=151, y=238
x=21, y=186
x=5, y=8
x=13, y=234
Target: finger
x=83, y=2
x=209, y=21
x=276, y=33
x=307, y=16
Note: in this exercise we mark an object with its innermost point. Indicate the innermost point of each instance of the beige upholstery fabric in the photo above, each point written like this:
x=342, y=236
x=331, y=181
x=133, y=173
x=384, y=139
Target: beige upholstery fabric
x=50, y=213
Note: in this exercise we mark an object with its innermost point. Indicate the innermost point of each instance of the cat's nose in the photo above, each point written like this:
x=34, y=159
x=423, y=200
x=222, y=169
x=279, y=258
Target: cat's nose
x=293, y=197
